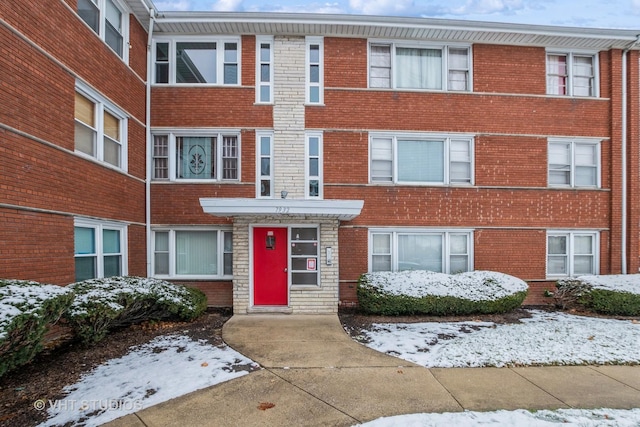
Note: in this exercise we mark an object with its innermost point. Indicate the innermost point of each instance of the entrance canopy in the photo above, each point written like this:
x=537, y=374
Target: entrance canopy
x=344, y=210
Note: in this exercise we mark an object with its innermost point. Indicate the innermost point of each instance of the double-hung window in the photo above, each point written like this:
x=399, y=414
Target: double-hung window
x=100, y=249
x=197, y=61
x=421, y=159
x=264, y=164
x=193, y=253
x=108, y=18
x=313, y=166
x=574, y=163
x=572, y=253
x=100, y=128
x=572, y=74
x=187, y=156
x=400, y=66
x=314, y=70
x=439, y=251
x=264, y=69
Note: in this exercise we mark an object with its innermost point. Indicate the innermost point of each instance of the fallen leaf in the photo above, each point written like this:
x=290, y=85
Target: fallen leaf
x=204, y=364
x=400, y=371
x=263, y=406
x=635, y=321
x=591, y=338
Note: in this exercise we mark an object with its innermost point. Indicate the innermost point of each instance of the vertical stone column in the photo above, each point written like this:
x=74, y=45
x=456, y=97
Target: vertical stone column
x=288, y=115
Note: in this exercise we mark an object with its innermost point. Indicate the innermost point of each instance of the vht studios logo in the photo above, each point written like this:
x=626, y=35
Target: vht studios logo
x=88, y=405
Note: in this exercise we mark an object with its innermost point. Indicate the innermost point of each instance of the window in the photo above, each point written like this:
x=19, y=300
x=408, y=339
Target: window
x=99, y=249
x=421, y=159
x=315, y=70
x=572, y=253
x=439, y=251
x=199, y=61
x=197, y=157
x=571, y=74
x=264, y=69
x=304, y=256
x=265, y=164
x=574, y=163
x=397, y=66
x=193, y=253
x=313, y=166
x=100, y=128
x=108, y=19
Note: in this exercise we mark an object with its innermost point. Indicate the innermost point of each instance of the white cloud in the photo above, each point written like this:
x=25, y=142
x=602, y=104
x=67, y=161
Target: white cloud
x=227, y=6
x=383, y=7
x=168, y=5
x=489, y=7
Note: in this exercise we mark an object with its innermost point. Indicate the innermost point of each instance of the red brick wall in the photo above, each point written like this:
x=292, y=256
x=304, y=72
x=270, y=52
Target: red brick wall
x=36, y=246
x=219, y=294
x=36, y=175
x=211, y=107
x=44, y=48
x=345, y=62
x=80, y=49
x=509, y=69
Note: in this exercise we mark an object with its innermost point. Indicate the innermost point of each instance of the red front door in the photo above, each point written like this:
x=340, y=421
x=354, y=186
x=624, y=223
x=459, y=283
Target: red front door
x=270, y=257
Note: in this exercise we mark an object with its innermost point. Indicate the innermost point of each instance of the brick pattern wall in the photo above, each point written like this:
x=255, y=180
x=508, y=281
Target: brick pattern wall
x=289, y=115
x=44, y=49
x=321, y=300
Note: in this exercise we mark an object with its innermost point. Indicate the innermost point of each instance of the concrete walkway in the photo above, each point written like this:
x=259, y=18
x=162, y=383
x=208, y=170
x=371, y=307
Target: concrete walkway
x=316, y=375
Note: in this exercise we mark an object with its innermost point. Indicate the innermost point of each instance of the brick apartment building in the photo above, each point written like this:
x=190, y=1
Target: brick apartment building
x=270, y=159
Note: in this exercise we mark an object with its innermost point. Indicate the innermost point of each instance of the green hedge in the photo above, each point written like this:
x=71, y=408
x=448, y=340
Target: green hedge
x=374, y=300
x=104, y=304
x=612, y=302
x=27, y=308
x=590, y=293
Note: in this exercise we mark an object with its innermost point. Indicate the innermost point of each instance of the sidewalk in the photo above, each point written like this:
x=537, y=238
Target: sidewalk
x=314, y=374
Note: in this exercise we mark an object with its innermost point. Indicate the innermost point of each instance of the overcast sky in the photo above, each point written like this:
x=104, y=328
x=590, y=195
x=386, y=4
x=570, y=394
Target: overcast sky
x=579, y=13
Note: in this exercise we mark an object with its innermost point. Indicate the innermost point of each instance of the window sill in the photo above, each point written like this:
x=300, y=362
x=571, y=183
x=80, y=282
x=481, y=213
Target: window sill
x=305, y=287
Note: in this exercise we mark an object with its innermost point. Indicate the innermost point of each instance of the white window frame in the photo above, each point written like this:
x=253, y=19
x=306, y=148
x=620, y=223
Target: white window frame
x=570, y=87
x=445, y=48
x=445, y=138
x=101, y=105
x=317, y=255
x=220, y=59
x=101, y=6
x=307, y=172
x=446, y=244
x=267, y=40
x=572, y=166
x=312, y=41
x=219, y=134
x=221, y=231
x=259, y=157
x=98, y=228
x=571, y=235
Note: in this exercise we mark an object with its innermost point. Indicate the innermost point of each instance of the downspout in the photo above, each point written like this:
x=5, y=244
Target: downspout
x=152, y=16
x=623, y=228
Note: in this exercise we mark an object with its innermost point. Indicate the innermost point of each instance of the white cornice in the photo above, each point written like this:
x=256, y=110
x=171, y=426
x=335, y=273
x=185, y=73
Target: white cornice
x=361, y=26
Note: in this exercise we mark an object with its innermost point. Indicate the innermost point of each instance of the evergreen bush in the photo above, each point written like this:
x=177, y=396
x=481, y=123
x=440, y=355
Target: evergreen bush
x=471, y=293
x=101, y=305
x=27, y=309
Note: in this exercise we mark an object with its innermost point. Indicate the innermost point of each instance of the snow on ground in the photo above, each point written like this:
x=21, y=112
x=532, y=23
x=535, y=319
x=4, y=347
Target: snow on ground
x=164, y=368
x=545, y=338
x=520, y=418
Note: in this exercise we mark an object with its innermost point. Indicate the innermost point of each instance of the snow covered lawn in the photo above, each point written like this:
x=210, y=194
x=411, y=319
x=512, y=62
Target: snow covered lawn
x=547, y=338
x=164, y=368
